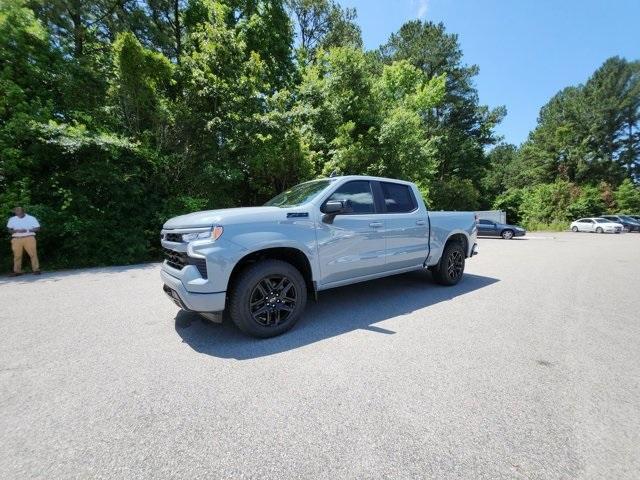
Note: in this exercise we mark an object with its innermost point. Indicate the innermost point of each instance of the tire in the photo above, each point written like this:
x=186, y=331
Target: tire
x=451, y=266
x=268, y=298
x=507, y=234
x=574, y=229
x=599, y=230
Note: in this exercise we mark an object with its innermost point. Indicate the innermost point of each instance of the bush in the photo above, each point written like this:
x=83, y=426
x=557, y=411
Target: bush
x=546, y=203
x=589, y=203
x=96, y=197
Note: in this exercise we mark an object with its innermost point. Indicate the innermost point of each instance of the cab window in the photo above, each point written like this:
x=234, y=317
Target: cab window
x=359, y=193
x=398, y=198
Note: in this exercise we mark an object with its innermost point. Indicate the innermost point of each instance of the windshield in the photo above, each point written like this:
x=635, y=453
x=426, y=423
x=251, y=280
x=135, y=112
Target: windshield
x=627, y=218
x=299, y=194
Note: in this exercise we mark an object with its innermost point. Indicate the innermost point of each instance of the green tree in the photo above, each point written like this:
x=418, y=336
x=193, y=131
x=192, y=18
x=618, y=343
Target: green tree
x=627, y=197
x=159, y=24
x=464, y=126
x=454, y=194
x=499, y=171
x=509, y=201
x=29, y=93
x=587, y=133
x=141, y=87
x=324, y=24
x=359, y=118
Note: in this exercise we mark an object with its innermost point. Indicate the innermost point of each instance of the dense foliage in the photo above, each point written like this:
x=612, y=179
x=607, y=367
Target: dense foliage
x=117, y=115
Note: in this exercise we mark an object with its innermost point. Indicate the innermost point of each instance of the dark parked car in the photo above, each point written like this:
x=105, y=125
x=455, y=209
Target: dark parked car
x=489, y=228
x=628, y=223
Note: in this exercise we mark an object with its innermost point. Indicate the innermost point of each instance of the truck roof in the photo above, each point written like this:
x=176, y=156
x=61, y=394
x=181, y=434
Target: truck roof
x=368, y=177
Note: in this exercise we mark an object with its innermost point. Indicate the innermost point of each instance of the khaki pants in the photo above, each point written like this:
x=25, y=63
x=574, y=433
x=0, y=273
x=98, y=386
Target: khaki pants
x=18, y=244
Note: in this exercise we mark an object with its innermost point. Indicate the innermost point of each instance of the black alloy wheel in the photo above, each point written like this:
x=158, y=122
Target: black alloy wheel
x=267, y=298
x=272, y=300
x=455, y=264
x=450, y=269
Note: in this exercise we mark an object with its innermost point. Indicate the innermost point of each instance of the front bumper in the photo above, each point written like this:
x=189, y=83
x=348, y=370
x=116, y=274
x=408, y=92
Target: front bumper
x=197, y=302
x=519, y=233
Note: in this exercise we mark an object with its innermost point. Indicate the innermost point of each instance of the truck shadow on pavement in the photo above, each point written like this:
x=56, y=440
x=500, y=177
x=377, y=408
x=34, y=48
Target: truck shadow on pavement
x=338, y=311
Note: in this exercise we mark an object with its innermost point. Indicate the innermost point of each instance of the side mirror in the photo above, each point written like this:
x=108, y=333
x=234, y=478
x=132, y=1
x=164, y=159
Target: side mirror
x=333, y=207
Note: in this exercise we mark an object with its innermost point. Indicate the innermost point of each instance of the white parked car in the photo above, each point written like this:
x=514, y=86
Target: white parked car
x=596, y=224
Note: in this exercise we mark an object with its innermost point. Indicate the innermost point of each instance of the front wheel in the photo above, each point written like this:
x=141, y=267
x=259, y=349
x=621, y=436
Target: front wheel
x=268, y=298
x=451, y=266
x=574, y=229
x=507, y=234
x=599, y=230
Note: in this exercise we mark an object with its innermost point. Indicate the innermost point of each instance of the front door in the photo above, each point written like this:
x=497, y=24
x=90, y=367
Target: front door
x=487, y=228
x=351, y=245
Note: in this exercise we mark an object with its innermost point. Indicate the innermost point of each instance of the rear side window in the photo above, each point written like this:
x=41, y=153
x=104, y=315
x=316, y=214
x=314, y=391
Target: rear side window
x=398, y=198
x=359, y=193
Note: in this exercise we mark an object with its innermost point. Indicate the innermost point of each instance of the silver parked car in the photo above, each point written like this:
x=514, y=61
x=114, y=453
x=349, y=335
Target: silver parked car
x=596, y=224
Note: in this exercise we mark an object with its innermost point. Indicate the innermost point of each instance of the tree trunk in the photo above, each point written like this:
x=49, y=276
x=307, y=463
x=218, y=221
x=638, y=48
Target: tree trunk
x=177, y=29
x=78, y=29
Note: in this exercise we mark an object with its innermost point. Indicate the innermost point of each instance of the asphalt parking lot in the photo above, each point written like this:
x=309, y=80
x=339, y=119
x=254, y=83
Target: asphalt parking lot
x=529, y=368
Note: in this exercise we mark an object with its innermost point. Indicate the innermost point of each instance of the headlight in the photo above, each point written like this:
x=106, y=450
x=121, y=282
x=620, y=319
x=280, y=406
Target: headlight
x=213, y=234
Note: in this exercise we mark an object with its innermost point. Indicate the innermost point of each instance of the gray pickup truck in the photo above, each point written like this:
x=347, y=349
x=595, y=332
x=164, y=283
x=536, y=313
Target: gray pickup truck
x=261, y=263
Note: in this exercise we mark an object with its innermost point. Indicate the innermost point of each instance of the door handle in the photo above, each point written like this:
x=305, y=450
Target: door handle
x=375, y=224
x=421, y=222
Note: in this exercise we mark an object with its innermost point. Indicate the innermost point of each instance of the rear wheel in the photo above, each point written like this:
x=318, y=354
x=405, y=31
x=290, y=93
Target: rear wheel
x=268, y=298
x=574, y=229
x=451, y=266
x=599, y=230
x=507, y=234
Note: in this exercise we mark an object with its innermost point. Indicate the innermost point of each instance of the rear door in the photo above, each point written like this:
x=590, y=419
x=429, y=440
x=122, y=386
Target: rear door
x=406, y=226
x=351, y=245
x=582, y=225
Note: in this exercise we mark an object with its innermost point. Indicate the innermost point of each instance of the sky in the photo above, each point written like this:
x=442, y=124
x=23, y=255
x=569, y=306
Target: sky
x=527, y=50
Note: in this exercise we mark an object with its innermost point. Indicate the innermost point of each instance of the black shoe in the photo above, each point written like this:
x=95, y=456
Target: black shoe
x=37, y=272
x=15, y=274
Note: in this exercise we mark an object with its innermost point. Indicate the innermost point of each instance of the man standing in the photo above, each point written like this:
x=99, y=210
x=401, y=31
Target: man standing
x=23, y=230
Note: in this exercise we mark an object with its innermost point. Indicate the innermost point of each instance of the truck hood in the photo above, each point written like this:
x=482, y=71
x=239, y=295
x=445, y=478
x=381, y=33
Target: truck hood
x=229, y=216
